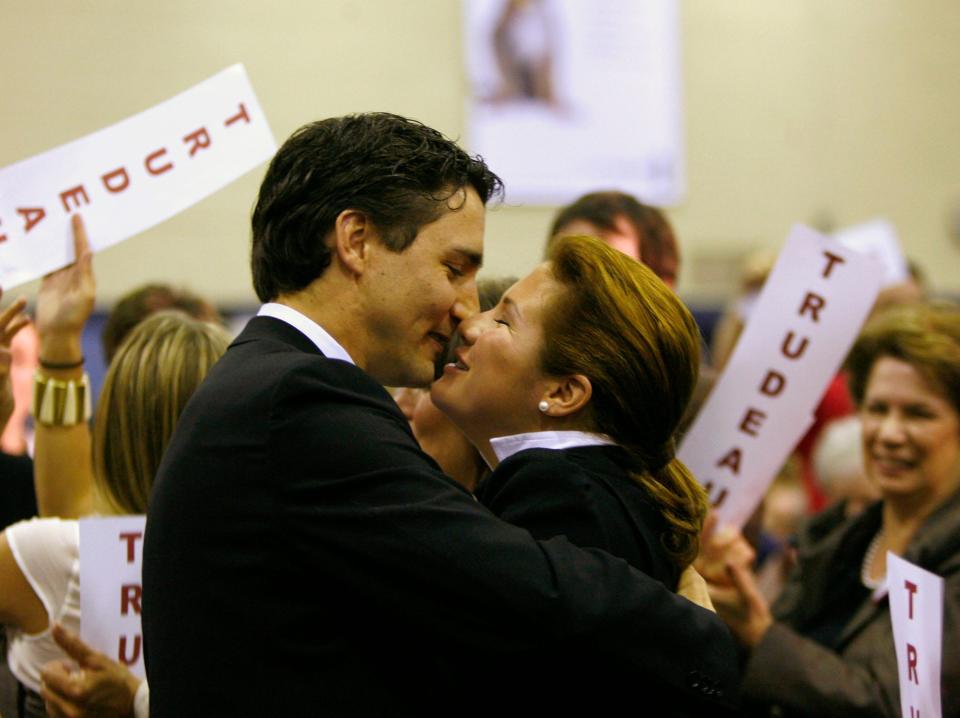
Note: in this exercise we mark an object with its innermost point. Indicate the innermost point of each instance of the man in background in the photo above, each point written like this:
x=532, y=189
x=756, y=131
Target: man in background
x=625, y=223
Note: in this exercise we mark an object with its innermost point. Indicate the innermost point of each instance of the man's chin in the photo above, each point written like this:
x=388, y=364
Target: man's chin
x=417, y=377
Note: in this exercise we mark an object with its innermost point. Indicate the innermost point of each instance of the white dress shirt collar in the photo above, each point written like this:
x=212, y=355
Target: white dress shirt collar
x=506, y=446
x=330, y=347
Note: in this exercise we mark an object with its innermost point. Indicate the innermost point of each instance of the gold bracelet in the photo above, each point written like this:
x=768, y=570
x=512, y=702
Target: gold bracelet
x=61, y=403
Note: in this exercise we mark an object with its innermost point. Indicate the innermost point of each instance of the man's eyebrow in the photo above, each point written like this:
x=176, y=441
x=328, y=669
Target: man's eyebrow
x=472, y=258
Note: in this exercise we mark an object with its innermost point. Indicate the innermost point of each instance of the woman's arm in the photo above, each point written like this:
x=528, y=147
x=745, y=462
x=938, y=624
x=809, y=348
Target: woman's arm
x=792, y=672
x=63, y=471
x=20, y=607
x=12, y=320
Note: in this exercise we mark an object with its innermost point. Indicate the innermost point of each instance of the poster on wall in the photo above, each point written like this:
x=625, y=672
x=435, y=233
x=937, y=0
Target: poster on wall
x=568, y=97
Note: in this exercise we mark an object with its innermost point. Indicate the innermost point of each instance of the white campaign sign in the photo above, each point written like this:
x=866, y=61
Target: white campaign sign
x=111, y=553
x=805, y=319
x=916, y=611
x=879, y=238
x=130, y=176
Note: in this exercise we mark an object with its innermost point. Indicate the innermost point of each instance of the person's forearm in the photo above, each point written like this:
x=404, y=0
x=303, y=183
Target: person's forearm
x=803, y=677
x=63, y=474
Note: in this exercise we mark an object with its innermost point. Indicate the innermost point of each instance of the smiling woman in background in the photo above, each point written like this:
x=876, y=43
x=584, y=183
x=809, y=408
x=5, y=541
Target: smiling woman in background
x=826, y=648
x=572, y=388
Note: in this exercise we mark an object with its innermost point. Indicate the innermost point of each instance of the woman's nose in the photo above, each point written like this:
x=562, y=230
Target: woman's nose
x=892, y=429
x=472, y=328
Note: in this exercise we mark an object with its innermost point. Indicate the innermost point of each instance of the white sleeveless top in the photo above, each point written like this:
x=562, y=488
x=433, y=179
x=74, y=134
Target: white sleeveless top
x=48, y=553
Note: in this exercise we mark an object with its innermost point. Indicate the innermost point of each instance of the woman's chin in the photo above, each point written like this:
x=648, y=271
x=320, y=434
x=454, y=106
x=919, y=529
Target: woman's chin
x=441, y=396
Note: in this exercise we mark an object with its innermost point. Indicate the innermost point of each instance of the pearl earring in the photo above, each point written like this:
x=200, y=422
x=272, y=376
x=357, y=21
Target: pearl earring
x=543, y=406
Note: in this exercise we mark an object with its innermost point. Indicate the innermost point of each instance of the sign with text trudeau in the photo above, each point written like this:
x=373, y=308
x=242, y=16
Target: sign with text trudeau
x=806, y=318
x=130, y=176
x=916, y=611
x=111, y=556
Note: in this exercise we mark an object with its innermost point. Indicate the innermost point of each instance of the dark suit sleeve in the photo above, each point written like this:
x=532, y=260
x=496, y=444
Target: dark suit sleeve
x=358, y=497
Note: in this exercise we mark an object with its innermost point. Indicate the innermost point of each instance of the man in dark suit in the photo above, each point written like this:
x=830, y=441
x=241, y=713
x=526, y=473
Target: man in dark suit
x=302, y=555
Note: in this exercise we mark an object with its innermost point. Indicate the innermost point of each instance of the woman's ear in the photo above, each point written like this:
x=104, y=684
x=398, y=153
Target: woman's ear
x=568, y=395
x=352, y=233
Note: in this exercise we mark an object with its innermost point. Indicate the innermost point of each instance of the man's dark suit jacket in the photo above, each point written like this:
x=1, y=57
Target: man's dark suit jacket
x=304, y=557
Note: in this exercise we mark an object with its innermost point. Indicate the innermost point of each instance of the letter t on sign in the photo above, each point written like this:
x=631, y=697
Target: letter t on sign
x=911, y=589
x=831, y=260
x=131, y=538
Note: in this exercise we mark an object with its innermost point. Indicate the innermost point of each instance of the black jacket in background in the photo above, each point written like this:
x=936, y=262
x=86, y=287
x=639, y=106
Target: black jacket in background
x=18, y=500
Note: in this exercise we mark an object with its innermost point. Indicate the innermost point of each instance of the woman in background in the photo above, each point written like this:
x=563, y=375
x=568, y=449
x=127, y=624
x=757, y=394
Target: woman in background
x=826, y=647
x=150, y=380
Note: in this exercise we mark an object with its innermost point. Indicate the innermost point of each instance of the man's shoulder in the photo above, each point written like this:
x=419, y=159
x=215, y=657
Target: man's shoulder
x=269, y=353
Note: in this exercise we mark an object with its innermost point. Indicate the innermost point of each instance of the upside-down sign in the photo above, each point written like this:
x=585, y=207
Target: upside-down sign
x=130, y=176
x=804, y=322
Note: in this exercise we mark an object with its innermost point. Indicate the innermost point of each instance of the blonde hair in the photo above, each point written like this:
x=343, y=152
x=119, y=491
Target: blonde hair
x=624, y=329
x=152, y=376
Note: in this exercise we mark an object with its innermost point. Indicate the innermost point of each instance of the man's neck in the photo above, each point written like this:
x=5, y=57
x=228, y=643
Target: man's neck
x=338, y=316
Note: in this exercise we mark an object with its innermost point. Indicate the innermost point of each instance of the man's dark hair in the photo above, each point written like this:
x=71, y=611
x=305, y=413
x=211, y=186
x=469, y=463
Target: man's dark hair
x=399, y=172
x=601, y=209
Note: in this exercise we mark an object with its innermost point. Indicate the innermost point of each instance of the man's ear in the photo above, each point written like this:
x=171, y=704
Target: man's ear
x=352, y=233
x=568, y=395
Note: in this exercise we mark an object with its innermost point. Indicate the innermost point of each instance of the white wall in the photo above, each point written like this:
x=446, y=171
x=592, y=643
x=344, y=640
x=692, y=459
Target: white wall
x=796, y=110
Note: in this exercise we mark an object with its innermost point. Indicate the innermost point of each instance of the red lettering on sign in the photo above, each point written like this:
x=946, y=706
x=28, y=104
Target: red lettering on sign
x=116, y=181
x=912, y=664
x=32, y=216
x=793, y=353
x=813, y=302
x=130, y=594
x=241, y=115
x=831, y=260
x=131, y=538
x=773, y=383
x=3, y=237
x=721, y=497
x=200, y=140
x=76, y=194
x=148, y=163
x=122, y=652
x=912, y=589
x=751, y=421
x=731, y=460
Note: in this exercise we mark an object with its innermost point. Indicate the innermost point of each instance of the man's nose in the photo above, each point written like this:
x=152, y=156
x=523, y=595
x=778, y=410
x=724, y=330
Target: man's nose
x=467, y=302
x=471, y=329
